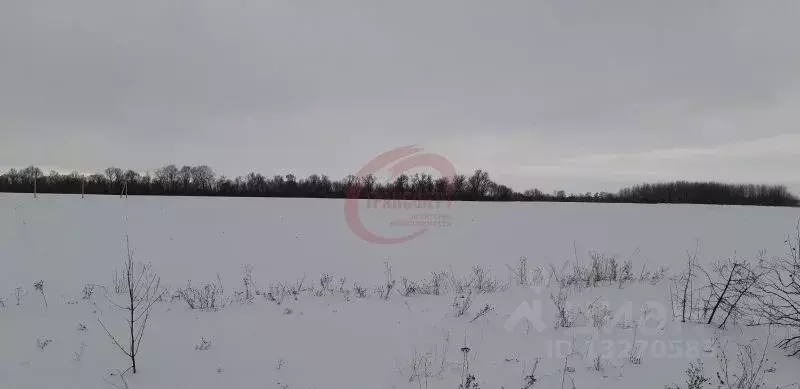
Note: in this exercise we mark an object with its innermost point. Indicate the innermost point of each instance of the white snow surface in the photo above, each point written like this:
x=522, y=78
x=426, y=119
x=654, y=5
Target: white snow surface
x=331, y=343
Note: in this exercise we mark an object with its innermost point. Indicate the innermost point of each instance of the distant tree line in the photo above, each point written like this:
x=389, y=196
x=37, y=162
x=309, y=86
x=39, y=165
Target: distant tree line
x=202, y=181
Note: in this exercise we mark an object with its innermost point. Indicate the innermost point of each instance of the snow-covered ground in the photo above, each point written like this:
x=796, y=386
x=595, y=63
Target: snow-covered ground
x=333, y=339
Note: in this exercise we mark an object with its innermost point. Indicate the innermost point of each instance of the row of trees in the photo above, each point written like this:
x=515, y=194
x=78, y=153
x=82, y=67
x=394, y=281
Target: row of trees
x=202, y=181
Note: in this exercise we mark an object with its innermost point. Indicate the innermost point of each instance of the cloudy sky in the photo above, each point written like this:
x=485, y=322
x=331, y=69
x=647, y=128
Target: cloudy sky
x=580, y=95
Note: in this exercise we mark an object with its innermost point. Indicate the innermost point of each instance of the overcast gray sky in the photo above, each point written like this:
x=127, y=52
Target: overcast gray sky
x=584, y=95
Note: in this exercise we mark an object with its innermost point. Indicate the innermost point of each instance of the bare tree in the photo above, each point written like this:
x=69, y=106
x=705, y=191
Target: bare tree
x=143, y=291
x=32, y=174
x=115, y=175
x=167, y=176
x=185, y=175
x=732, y=280
x=778, y=293
x=479, y=184
x=728, y=289
x=685, y=281
x=202, y=176
x=130, y=177
x=459, y=184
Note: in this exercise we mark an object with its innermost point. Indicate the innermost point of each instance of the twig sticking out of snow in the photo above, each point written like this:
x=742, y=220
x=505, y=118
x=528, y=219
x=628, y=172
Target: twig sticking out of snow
x=41, y=343
x=204, y=345
x=76, y=356
x=486, y=309
x=529, y=380
x=121, y=374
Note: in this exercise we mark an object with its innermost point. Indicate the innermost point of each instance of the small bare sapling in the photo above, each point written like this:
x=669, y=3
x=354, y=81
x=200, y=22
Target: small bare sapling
x=248, y=293
x=144, y=289
x=462, y=303
x=19, y=293
x=385, y=291
x=468, y=379
x=39, y=286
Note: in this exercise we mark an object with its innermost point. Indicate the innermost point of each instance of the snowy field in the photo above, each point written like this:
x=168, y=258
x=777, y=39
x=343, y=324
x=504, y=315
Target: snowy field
x=330, y=337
